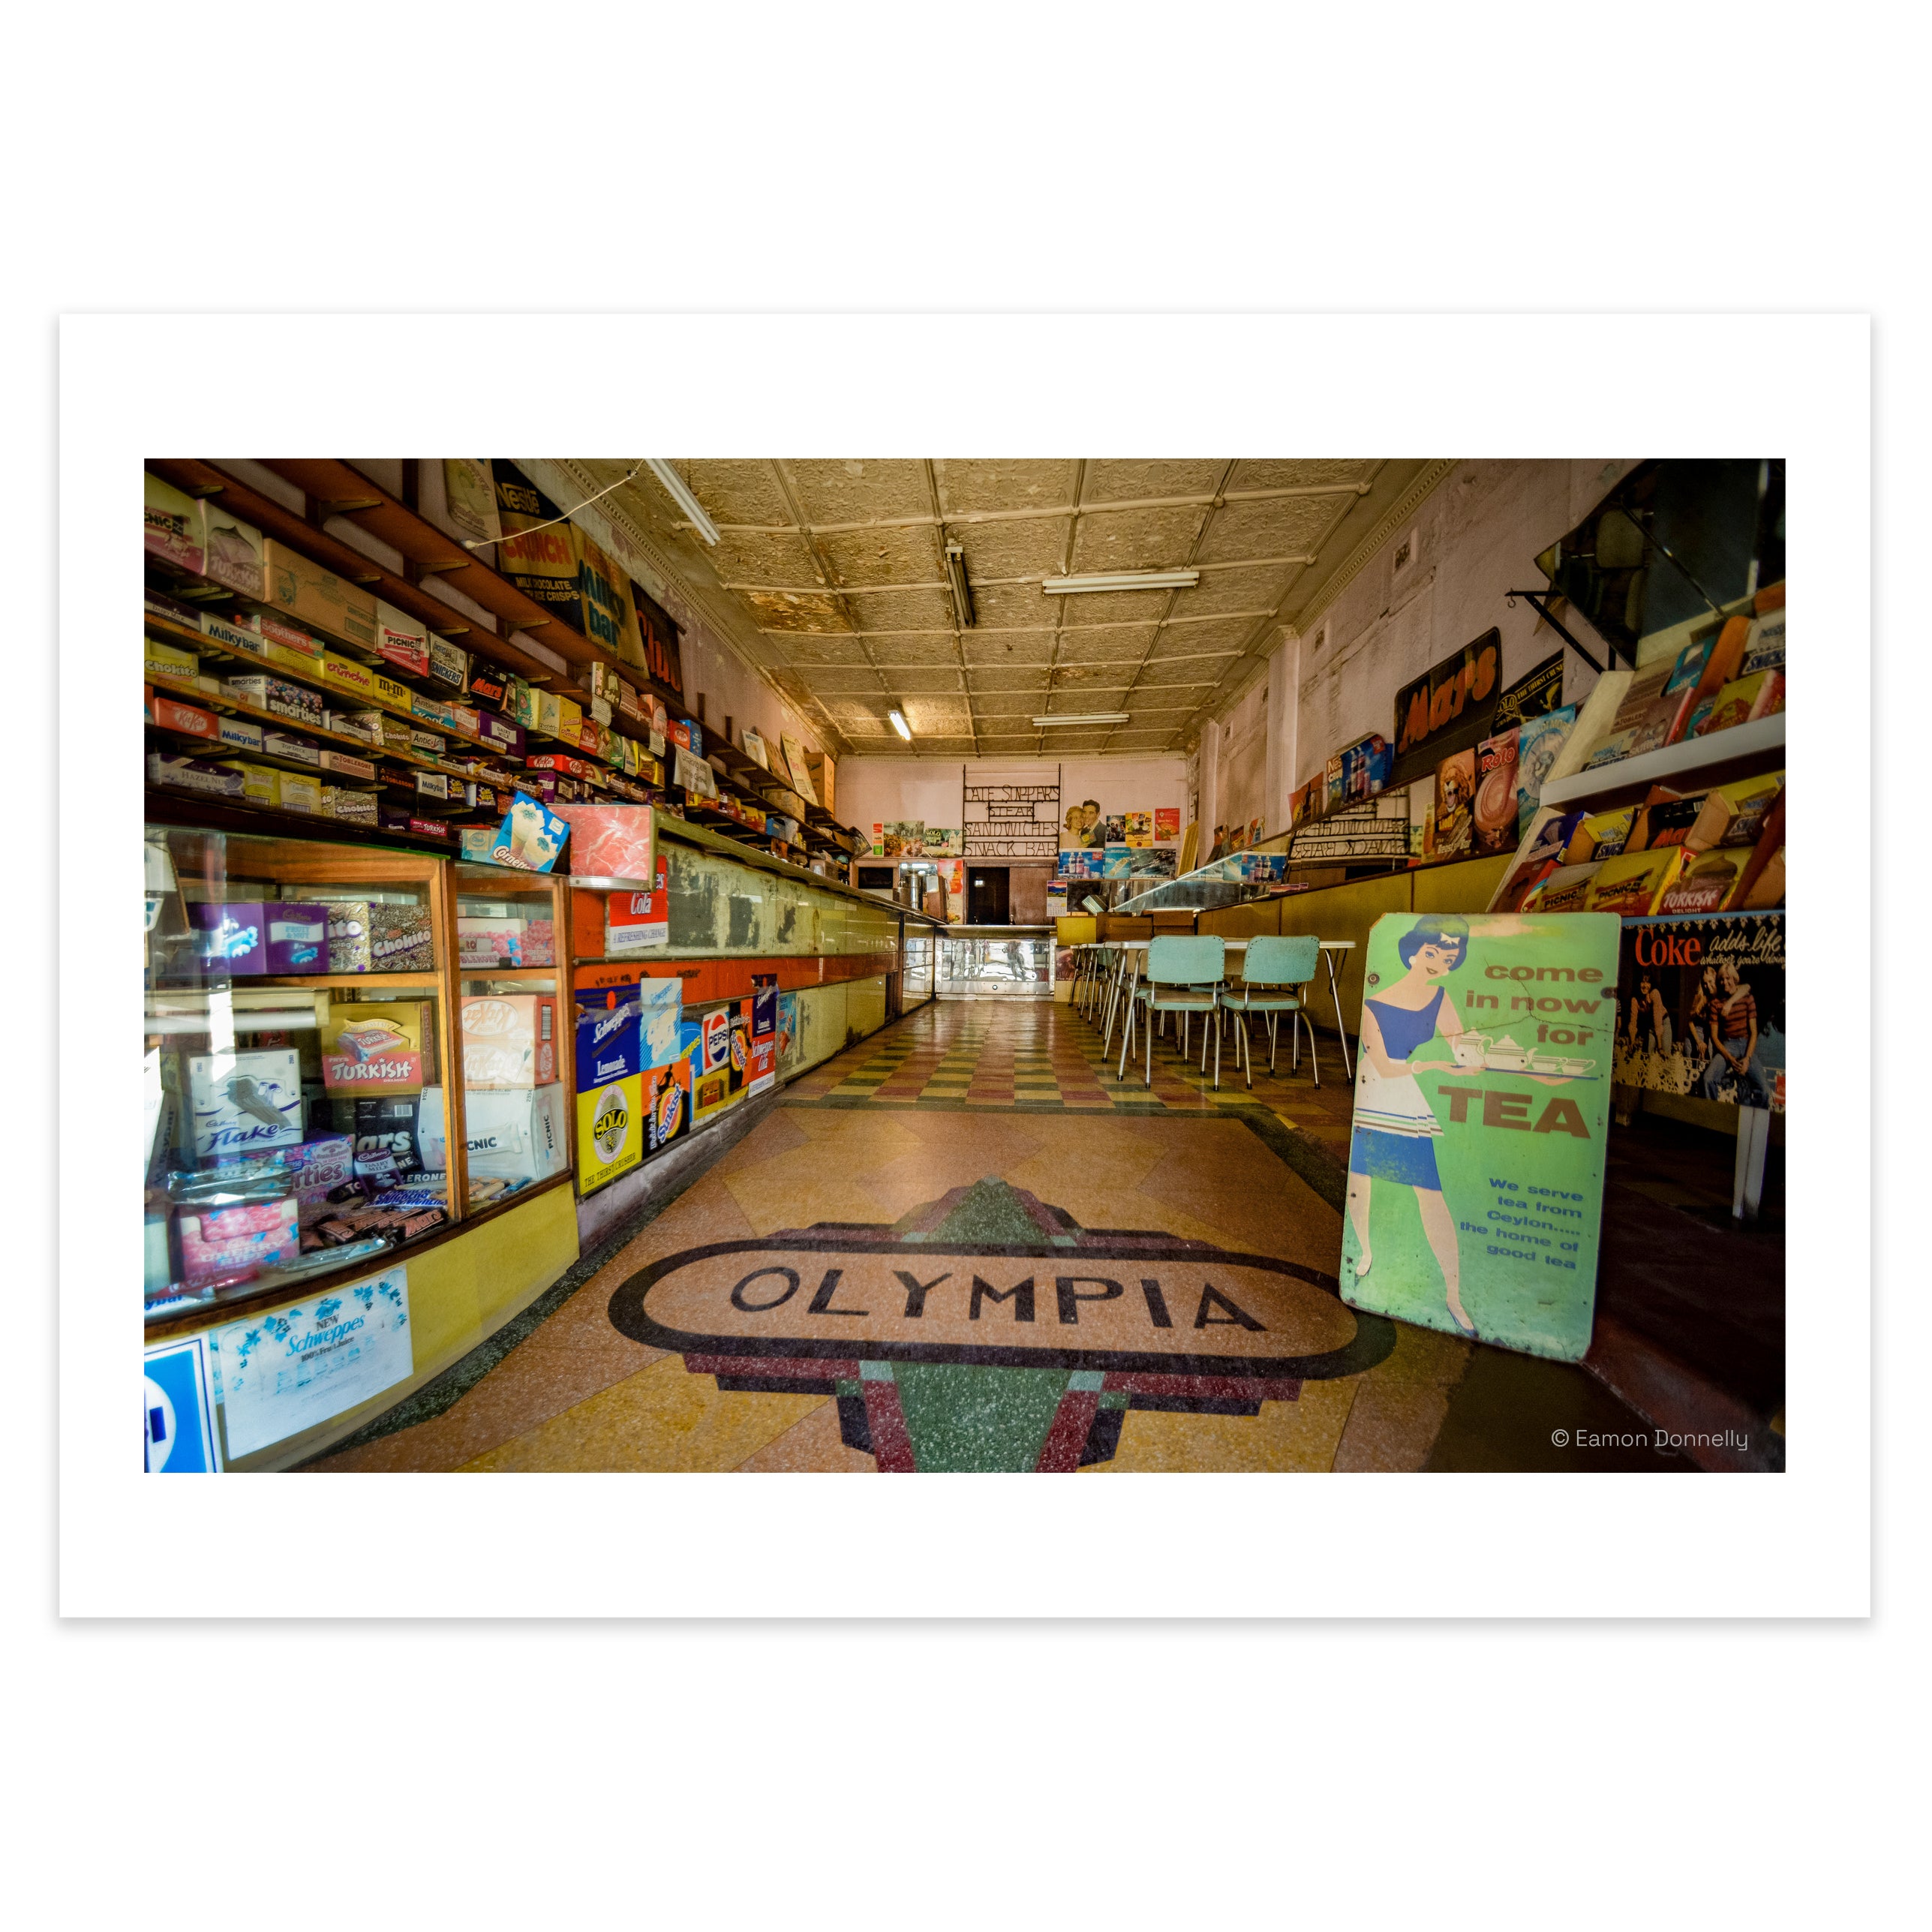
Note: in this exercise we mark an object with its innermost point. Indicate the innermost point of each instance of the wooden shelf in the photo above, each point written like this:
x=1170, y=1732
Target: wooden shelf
x=476, y=579
x=1706, y=761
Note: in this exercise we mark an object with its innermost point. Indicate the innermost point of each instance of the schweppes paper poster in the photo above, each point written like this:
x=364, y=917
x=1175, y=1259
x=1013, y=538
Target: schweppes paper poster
x=1482, y=1095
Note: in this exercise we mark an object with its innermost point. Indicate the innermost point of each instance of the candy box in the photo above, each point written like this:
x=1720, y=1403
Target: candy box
x=286, y=635
x=277, y=695
x=490, y=941
x=174, y=715
x=297, y=936
x=164, y=660
x=297, y=588
x=515, y=1134
x=243, y=1103
x=400, y=639
x=374, y=1049
x=316, y=1166
x=193, y=774
x=174, y=525
x=449, y=664
x=234, y=934
x=234, y=551
x=432, y=785
x=290, y=745
x=509, y=1040
x=296, y=793
x=393, y=1135
x=476, y=841
x=540, y=943
x=531, y=836
x=609, y=841
x=225, y=1240
x=353, y=808
x=234, y=630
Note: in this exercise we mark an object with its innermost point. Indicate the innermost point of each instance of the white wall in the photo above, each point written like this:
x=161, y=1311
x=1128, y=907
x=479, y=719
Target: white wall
x=882, y=789
x=1476, y=535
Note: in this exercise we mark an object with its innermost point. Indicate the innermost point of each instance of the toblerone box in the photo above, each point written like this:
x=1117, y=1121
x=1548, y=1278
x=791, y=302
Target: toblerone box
x=308, y=593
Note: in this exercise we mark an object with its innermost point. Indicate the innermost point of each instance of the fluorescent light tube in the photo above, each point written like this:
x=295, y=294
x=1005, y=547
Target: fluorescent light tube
x=1122, y=580
x=675, y=489
x=956, y=580
x=1082, y=718
x=899, y=723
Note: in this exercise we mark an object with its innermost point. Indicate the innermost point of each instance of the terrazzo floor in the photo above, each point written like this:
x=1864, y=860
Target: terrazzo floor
x=968, y=1244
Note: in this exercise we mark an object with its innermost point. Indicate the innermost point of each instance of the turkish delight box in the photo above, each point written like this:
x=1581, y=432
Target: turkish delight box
x=243, y=1103
x=508, y=1040
x=234, y=551
x=374, y=1048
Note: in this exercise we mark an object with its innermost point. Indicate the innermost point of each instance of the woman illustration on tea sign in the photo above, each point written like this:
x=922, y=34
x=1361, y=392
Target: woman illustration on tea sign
x=1395, y=1125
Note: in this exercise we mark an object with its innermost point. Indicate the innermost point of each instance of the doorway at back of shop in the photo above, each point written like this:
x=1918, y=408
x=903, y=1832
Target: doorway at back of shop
x=987, y=896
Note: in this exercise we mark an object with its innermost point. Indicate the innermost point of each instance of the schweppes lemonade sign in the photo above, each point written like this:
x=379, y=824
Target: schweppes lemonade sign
x=1075, y=1327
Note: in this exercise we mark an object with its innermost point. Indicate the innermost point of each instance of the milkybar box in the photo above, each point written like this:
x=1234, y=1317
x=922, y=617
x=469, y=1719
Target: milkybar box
x=245, y=1102
x=374, y=1049
x=239, y=733
x=175, y=527
x=234, y=551
x=305, y=591
x=509, y=1040
x=432, y=785
x=401, y=639
x=238, y=630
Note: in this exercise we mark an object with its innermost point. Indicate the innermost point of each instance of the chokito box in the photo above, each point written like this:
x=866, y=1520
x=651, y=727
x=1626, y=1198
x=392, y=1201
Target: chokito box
x=509, y=1040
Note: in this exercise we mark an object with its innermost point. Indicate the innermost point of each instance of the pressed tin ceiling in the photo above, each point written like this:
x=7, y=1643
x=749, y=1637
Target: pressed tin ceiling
x=830, y=575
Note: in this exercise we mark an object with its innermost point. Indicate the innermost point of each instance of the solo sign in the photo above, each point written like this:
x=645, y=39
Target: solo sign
x=1475, y=1164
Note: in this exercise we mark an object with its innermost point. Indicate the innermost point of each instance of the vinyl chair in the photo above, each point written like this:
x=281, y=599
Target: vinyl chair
x=1183, y=976
x=1274, y=977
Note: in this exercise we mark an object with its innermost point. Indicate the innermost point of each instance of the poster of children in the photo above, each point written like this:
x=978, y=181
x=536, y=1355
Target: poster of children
x=1482, y=1098
x=1700, y=1008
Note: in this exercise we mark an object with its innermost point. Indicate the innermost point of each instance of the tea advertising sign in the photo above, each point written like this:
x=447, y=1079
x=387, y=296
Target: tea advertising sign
x=1483, y=1092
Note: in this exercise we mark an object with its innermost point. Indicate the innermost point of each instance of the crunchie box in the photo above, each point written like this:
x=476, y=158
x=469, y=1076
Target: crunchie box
x=346, y=676
x=374, y=1049
x=234, y=551
x=246, y=1103
x=174, y=524
x=293, y=586
x=508, y=1040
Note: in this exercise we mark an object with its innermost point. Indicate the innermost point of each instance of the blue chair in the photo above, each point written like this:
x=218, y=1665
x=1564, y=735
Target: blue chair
x=1274, y=977
x=1184, y=976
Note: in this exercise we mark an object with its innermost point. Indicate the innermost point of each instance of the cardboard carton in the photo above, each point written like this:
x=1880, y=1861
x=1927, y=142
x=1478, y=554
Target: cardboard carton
x=374, y=1048
x=296, y=587
x=245, y=1102
x=234, y=551
x=509, y=1040
x=174, y=528
x=401, y=639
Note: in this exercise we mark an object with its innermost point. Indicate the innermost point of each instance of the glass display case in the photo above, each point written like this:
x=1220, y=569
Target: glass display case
x=996, y=963
x=302, y=1058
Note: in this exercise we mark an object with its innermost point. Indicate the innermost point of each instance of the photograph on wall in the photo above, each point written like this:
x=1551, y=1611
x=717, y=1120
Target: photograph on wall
x=1111, y=830
x=905, y=838
x=1082, y=827
x=1138, y=828
x=1117, y=862
x=941, y=842
x=1701, y=1008
x=1482, y=1100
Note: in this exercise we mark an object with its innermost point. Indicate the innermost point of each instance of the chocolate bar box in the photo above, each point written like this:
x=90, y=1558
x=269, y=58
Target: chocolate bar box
x=369, y=935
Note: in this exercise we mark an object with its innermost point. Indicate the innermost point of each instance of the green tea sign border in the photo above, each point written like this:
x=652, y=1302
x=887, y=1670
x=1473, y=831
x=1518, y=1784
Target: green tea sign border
x=1482, y=1098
